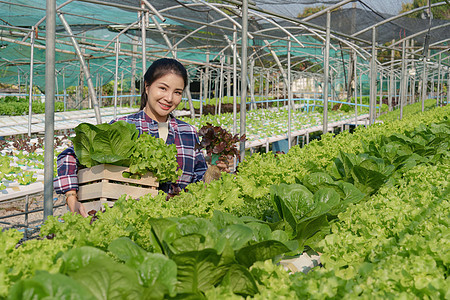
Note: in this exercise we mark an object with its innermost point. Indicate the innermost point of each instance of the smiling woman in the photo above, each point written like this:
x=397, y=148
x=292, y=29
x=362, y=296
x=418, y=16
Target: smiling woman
x=165, y=81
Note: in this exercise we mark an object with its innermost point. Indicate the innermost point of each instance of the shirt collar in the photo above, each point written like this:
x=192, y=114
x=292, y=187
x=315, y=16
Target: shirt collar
x=170, y=119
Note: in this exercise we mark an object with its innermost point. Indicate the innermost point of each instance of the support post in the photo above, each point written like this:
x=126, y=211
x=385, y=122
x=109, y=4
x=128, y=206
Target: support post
x=448, y=87
x=30, y=94
x=326, y=58
x=228, y=78
x=50, y=35
x=439, y=84
x=205, y=83
x=373, y=78
x=222, y=60
x=133, y=74
x=144, y=45
x=234, y=80
x=116, y=77
x=189, y=96
x=201, y=91
x=403, y=82
x=289, y=88
x=355, y=57
x=252, y=84
x=267, y=89
x=391, y=80
x=244, y=57
x=381, y=94
x=360, y=92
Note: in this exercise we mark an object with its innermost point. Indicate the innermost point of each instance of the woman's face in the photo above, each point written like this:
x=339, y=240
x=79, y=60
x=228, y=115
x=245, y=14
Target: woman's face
x=163, y=96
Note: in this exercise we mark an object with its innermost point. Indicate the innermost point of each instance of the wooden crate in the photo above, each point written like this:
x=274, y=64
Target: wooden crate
x=105, y=182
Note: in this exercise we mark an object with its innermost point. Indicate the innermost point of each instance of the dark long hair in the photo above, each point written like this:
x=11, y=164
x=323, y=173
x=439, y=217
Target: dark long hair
x=160, y=68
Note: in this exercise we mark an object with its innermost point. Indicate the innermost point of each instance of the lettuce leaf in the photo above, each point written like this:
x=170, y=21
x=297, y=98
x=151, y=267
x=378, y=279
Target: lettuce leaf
x=104, y=143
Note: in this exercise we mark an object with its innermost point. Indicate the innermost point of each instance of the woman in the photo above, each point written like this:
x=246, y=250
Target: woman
x=165, y=81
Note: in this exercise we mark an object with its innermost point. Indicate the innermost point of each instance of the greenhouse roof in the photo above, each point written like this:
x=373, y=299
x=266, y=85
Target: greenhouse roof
x=194, y=30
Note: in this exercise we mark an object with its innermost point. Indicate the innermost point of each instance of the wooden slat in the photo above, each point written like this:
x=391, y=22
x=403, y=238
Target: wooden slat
x=112, y=191
x=111, y=172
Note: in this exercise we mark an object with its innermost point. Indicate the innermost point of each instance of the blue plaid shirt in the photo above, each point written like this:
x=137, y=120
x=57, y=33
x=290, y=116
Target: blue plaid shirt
x=184, y=136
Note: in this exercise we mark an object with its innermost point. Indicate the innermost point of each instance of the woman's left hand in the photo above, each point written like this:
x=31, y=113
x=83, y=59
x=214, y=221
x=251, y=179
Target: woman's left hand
x=223, y=167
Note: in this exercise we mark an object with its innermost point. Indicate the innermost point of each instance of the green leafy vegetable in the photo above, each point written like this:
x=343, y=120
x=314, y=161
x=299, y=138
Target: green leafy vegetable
x=153, y=155
x=49, y=286
x=104, y=143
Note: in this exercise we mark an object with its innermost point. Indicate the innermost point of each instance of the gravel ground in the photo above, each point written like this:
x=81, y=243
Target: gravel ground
x=12, y=213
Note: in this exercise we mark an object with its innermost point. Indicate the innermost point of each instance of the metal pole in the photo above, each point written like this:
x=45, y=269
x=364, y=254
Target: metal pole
x=267, y=89
x=412, y=77
x=201, y=91
x=278, y=88
x=64, y=87
x=403, y=80
x=289, y=88
x=209, y=85
x=373, y=78
x=143, y=38
x=87, y=73
x=332, y=87
x=360, y=92
x=50, y=33
x=244, y=58
x=121, y=87
x=326, y=57
x=234, y=80
x=448, y=87
x=18, y=79
x=391, y=80
x=381, y=93
x=439, y=85
x=116, y=77
x=205, y=83
x=228, y=79
x=252, y=84
x=431, y=75
x=30, y=95
x=189, y=96
x=133, y=73
x=216, y=91
x=222, y=60
x=27, y=199
x=355, y=57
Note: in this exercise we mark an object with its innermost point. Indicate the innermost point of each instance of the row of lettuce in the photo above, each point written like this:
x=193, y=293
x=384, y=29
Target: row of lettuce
x=375, y=203
x=14, y=106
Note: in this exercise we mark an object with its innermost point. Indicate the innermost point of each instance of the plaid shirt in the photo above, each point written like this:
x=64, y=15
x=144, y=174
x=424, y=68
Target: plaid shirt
x=183, y=135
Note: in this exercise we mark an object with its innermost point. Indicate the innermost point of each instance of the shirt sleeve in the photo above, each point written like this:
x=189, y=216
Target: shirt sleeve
x=67, y=169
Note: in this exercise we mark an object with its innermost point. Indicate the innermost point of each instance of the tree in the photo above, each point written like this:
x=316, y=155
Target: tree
x=441, y=12
x=310, y=11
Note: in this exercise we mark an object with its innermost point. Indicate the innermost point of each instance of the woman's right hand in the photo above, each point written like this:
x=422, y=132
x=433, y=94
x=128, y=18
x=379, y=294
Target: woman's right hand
x=75, y=205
